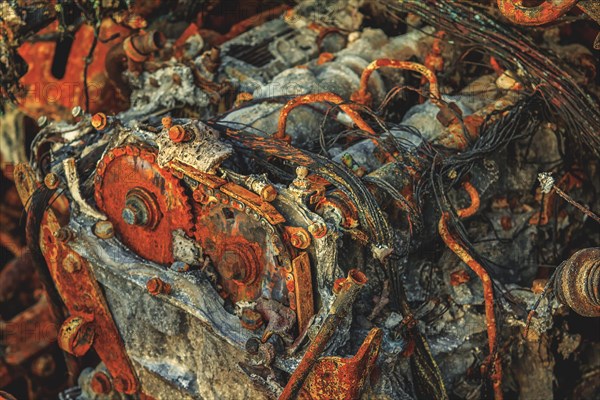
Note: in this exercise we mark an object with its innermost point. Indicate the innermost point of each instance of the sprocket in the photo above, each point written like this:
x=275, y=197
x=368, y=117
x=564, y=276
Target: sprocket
x=145, y=202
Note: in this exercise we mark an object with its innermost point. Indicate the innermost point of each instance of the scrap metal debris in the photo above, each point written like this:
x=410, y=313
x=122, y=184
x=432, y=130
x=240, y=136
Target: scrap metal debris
x=320, y=199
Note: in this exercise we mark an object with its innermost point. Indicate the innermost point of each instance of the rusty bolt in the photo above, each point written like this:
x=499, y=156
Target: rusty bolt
x=99, y=121
x=178, y=134
x=167, y=122
x=251, y=319
x=43, y=366
x=76, y=336
x=121, y=385
x=51, y=180
x=318, y=229
x=577, y=283
x=64, y=234
x=104, y=229
x=71, y=263
x=299, y=238
x=100, y=383
x=268, y=193
x=156, y=286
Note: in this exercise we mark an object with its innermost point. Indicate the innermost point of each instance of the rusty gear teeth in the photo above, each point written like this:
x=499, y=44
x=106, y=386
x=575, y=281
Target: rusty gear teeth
x=144, y=208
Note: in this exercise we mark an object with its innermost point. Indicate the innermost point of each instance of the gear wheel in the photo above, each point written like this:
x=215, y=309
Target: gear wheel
x=145, y=202
x=242, y=248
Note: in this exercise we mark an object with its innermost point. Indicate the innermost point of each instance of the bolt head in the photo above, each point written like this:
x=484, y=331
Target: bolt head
x=99, y=121
x=178, y=134
x=100, y=383
x=51, y=180
x=129, y=216
x=42, y=121
x=269, y=193
x=76, y=111
x=104, y=229
x=317, y=229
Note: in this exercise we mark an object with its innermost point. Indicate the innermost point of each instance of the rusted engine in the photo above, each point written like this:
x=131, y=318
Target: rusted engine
x=308, y=206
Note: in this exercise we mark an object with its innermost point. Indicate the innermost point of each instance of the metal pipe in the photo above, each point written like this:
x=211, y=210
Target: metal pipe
x=346, y=289
x=314, y=98
x=548, y=11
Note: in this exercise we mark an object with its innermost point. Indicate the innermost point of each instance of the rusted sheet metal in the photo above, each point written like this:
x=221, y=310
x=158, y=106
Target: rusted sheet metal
x=47, y=92
x=301, y=293
x=81, y=294
x=144, y=202
x=337, y=378
x=241, y=240
x=347, y=290
x=488, y=286
x=84, y=299
x=546, y=12
x=28, y=333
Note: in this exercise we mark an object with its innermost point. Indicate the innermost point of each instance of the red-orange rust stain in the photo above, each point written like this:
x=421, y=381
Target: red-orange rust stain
x=83, y=297
x=130, y=167
x=303, y=290
x=488, y=288
x=325, y=58
x=337, y=378
x=317, y=98
x=253, y=201
x=362, y=95
x=46, y=94
x=237, y=249
x=434, y=60
x=546, y=12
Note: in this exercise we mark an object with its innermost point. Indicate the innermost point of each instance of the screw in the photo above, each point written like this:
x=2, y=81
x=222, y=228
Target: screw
x=76, y=111
x=104, y=229
x=51, y=181
x=318, y=229
x=99, y=121
x=156, y=286
x=42, y=121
